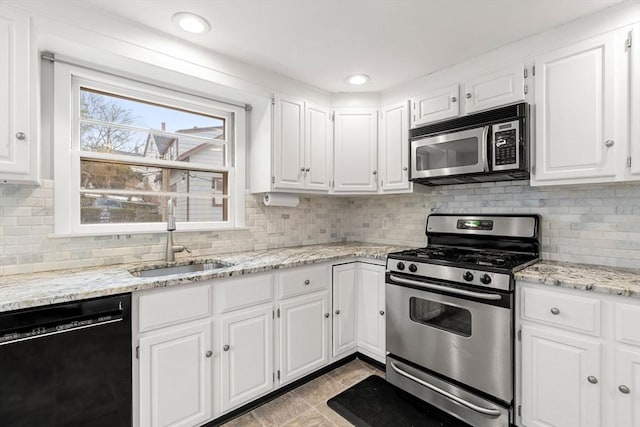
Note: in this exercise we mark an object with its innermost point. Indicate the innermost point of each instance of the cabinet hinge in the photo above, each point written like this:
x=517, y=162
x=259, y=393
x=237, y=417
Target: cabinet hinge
x=629, y=161
x=278, y=373
x=274, y=377
x=138, y=352
x=519, y=410
x=273, y=314
x=278, y=318
x=628, y=42
x=332, y=116
x=273, y=179
x=519, y=334
x=526, y=89
x=533, y=70
x=526, y=73
x=273, y=99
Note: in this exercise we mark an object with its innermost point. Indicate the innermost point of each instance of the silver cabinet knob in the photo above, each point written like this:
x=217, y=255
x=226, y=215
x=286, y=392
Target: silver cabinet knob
x=20, y=135
x=609, y=143
x=226, y=347
x=592, y=379
x=454, y=99
x=302, y=169
x=405, y=168
x=381, y=312
x=208, y=353
x=326, y=315
x=307, y=170
x=337, y=311
x=624, y=389
x=468, y=95
x=374, y=172
x=555, y=311
x=306, y=282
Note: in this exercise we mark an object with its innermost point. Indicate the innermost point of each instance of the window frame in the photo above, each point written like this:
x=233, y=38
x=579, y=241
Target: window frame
x=67, y=154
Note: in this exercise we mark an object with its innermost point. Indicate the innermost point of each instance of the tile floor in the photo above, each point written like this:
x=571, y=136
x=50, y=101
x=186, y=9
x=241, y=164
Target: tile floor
x=306, y=406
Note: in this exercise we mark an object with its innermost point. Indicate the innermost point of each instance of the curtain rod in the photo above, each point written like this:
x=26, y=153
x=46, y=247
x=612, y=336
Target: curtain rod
x=50, y=56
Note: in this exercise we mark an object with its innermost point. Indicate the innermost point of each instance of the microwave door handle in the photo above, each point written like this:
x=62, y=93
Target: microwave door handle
x=486, y=411
x=479, y=295
x=485, y=148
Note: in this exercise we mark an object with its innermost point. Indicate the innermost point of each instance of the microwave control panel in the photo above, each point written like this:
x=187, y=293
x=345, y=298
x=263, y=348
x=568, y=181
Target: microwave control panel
x=506, y=150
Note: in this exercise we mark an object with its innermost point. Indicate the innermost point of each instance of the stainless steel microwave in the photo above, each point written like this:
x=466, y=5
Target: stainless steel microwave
x=482, y=147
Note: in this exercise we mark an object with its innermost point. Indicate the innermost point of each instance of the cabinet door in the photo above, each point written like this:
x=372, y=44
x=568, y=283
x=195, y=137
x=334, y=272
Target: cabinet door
x=435, y=105
x=371, y=311
x=556, y=372
x=576, y=98
x=247, y=364
x=344, y=308
x=634, y=66
x=356, y=148
x=393, y=153
x=493, y=90
x=18, y=134
x=627, y=388
x=288, y=161
x=304, y=332
x=175, y=376
x=318, y=148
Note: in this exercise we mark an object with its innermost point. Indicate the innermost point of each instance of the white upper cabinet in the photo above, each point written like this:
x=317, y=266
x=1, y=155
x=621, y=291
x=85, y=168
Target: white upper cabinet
x=435, y=105
x=18, y=104
x=493, y=90
x=393, y=148
x=356, y=149
x=632, y=43
x=581, y=112
x=288, y=136
x=318, y=146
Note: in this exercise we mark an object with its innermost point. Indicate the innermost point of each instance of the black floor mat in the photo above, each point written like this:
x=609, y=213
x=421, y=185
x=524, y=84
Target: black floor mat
x=373, y=402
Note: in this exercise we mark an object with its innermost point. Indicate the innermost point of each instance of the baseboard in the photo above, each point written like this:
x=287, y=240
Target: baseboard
x=371, y=361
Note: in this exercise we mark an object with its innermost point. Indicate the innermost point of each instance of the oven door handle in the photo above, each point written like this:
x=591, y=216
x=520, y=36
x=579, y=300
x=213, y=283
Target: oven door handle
x=479, y=295
x=485, y=411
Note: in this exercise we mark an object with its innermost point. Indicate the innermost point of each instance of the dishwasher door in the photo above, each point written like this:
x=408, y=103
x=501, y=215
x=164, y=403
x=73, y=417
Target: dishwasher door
x=67, y=365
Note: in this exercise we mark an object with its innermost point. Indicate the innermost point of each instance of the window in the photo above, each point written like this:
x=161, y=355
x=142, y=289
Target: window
x=124, y=150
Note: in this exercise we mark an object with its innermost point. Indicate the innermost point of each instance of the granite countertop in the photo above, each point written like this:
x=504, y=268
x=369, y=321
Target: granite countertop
x=38, y=289
x=600, y=279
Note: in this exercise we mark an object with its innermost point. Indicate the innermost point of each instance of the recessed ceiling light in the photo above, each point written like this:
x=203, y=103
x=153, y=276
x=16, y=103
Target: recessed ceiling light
x=358, y=79
x=192, y=23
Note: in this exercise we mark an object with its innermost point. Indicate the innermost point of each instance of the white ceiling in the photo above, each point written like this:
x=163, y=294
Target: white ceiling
x=320, y=42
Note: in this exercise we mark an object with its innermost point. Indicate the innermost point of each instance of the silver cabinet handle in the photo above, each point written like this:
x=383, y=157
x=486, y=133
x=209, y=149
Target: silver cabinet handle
x=337, y=311
x=326, y=315
x=20, y=135
x=226, y=347
x=609, y=143
x=306, y=282
x=486, y=411
x=208, y=354
x=624, y=389
x=592, y=379
x=481, y=295
x=555, y=311
x=454, y=99
x=468, y=95
x=381, y=312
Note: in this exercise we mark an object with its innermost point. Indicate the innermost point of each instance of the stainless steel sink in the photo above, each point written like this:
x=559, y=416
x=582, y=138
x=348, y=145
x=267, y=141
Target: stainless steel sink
x=180, y=269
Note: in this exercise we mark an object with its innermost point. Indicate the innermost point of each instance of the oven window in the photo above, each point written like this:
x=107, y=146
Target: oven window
x=447, y=317
x=461, y=152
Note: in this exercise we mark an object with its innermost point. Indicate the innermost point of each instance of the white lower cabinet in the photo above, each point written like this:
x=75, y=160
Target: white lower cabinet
x=371, y=310
x=304, y=335
x=345, y=338
x=580, y=358
x=247, y=355
x=560, y=377
x=175, y=376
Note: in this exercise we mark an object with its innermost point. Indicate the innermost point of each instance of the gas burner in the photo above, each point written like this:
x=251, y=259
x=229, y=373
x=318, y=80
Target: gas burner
x=486, y=259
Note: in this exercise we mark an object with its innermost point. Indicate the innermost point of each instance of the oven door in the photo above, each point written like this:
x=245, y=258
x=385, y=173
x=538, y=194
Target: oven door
x=452, y=153
x=463, y=334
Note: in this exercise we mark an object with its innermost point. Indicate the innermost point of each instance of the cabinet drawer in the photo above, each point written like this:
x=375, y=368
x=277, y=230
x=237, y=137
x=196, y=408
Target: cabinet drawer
x=169, y=307
x=568, y=311
x=627, y=321
x=300, y=281
x=246, y=292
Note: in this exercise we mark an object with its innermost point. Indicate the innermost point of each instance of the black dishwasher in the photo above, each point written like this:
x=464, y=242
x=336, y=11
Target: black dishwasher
x=67, y=365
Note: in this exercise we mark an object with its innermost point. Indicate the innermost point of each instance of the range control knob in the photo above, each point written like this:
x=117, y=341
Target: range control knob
x=400, y=266
x=485, y=278
x=467, y=276
x=413, y=268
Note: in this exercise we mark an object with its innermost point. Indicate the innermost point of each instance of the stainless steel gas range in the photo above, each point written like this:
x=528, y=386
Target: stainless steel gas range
x=450, y=314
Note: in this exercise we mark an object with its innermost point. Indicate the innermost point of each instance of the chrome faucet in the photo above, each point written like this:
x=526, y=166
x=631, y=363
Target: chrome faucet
x=172, y=248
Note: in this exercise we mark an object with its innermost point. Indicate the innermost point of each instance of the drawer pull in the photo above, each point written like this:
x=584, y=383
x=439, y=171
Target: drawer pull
x=592, y=379
x=555, y=311
x=306, y=282
x=624, y=389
